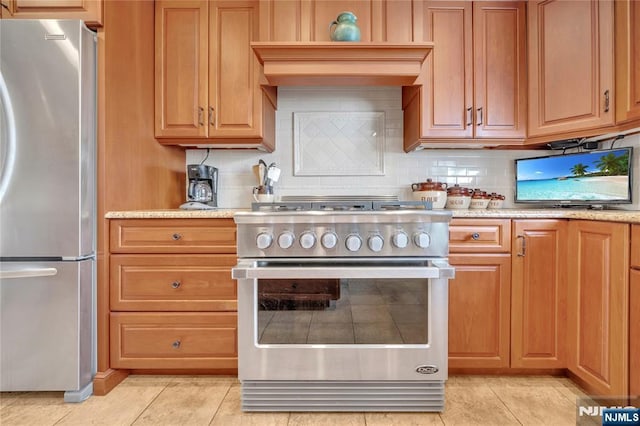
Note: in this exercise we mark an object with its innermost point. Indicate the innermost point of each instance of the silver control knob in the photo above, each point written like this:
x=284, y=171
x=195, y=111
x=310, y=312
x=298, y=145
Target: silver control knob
x=422, y=240
x=307, y=240
x=400, y=240
x=375, y=243
x=286, y=239
x=329, y=240
x=264, y=240
x=353, y=243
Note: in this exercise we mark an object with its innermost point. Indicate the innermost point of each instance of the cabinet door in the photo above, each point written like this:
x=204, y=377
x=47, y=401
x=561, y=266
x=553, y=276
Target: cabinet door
x=447, y=77
x=90, y=11
x=235, y=98
x=597, y=305
x=634, y=332
x=570, y=66
x=479, y=310
x=181, y=84
x=499, y=40
x=538, y=294
x=627, y=60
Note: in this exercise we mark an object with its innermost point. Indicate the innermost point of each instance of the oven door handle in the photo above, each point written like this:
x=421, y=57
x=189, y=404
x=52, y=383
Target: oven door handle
x=249, y=270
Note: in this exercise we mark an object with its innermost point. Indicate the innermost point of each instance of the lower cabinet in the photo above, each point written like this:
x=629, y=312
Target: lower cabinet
x=634, y=313
x=480, y=294
x=597, y=308
x=173, y=303
x=634, y=333
x=539, y=294
x=507, y=303
x=479, y=311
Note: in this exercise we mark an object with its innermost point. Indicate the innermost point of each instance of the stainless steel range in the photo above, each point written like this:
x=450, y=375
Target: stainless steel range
x=342, y=306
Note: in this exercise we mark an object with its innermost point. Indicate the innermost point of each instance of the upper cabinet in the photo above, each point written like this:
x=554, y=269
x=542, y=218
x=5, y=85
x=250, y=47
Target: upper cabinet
x=627, y=17
x=474, y=81
x=207, y=77
x=309, y=20
x=571, y=67
x=90, y=11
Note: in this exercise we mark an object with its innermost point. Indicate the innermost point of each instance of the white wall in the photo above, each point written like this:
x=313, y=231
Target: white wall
x=490, y=170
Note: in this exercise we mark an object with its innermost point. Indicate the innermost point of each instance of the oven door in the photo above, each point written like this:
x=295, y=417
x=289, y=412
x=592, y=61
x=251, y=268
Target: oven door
x=354, y=319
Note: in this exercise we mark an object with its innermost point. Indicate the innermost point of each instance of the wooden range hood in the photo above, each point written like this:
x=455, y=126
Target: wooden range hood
x=341, y=63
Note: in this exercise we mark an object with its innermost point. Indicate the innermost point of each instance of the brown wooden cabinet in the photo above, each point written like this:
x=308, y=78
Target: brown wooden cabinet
x=597, y=308
x=208, y=78
x=634, y=313
x=173, y=302
x=479, y=296
x=474, y=82
x=627, y=17
x=571, y=67
x=90, y=11
x=538, y=294
x=295, y=20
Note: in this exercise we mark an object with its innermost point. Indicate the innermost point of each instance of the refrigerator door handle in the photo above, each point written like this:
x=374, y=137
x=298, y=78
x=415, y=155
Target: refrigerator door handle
x=6, y=169
x=28, y=273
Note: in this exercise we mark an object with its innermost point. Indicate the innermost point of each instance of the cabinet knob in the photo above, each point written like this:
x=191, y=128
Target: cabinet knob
x=475, y=236
x=176, y=344
x=175, y=284
x=212, y=117
x=176, y=237
x=606, y=100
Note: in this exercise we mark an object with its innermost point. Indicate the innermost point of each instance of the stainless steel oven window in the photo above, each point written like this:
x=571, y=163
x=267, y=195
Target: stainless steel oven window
x=342, y=311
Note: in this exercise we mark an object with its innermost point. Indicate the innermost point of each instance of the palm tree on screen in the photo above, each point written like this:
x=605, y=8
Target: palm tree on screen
x=579, y=169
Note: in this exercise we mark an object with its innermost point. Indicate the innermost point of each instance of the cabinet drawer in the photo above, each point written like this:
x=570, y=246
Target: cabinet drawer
x=635, y=246
x=172, y=236
x=196, y=282
x=177, y=340
x=480, y=236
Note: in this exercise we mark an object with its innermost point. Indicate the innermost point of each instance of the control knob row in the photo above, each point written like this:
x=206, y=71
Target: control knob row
x=353, y=242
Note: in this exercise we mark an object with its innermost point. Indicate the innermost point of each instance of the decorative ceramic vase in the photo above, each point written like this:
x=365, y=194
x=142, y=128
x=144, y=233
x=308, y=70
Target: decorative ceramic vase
x=344, y=28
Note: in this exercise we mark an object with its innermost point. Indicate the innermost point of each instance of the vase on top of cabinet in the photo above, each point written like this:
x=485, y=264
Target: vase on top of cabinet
x=344, y=28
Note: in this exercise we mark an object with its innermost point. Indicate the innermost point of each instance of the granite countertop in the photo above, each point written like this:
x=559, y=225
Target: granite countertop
x=629, y=216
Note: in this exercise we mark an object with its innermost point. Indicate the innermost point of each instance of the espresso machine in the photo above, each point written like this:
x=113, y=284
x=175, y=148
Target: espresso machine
x=202, y=187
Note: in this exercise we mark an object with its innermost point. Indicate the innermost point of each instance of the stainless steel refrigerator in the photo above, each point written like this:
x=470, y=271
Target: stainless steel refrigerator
x=47, y=206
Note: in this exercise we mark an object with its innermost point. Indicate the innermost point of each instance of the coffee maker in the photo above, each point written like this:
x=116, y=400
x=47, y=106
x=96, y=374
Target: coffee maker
x=203, y=184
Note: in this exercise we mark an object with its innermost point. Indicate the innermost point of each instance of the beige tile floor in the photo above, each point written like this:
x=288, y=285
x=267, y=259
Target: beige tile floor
x=207, y=400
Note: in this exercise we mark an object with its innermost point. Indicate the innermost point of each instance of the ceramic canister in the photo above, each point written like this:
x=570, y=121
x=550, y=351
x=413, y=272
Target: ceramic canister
x=436, y=192
x=479, y=200
x=458, y=197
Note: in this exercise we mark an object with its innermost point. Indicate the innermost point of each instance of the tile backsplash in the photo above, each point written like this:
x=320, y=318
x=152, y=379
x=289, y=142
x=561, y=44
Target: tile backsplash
x=491, y=170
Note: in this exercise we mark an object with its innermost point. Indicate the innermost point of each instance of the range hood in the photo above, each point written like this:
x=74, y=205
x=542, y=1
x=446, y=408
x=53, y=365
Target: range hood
x=341, y=63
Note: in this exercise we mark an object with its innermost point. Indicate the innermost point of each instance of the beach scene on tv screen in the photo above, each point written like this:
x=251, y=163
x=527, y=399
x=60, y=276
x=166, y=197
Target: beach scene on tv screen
x=593, y=176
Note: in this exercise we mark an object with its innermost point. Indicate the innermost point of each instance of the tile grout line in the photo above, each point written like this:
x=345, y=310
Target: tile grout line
x=504, y=403
x=151, y=402
x=220, y=405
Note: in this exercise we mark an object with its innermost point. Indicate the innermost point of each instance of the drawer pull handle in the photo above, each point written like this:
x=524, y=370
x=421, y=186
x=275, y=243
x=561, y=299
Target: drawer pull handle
x=475, y=236
x=176, y=344
x=176, y=237
x=175, y=284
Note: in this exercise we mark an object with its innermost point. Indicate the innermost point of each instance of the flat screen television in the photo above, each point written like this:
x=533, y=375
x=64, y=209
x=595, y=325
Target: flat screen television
x=583, y=178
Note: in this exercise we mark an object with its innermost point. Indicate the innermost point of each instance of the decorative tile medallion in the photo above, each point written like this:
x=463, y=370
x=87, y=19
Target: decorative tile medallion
x=338, y=143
